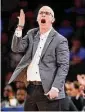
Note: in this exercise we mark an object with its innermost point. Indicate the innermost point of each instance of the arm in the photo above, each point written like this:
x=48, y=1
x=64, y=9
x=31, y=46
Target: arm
x=62, y=53
x=20, y=44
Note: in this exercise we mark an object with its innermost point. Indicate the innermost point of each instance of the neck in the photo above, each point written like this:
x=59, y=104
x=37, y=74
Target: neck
x=44, y=30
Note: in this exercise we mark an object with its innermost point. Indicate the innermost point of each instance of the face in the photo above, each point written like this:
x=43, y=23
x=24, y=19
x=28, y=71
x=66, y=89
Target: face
x=7, y=90
x=75, y=92
x=20, y=85
x=21, y=94
x=81, y=79
x=45, y=17
x=69, y=89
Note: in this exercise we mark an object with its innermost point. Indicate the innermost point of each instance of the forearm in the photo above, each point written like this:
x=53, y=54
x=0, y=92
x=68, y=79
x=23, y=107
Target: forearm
x=15, y=43
x=19, y=44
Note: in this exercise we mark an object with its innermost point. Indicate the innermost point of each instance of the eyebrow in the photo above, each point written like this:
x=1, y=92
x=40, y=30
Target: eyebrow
x=46, y=11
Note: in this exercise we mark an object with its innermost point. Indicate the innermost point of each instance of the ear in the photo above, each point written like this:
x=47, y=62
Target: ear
x=53, y=19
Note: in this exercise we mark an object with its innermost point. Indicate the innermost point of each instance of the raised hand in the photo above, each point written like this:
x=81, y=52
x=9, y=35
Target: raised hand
x=21, y=18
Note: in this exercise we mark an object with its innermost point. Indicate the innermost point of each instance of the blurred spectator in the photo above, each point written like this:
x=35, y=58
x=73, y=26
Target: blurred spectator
x=21, y=95
x=69, y=90
x=68, y=87
x=76, y=96
x=81, y=79
x=78, y=7
x=80, y=29
x=66, y=29
x=4, y=38
x=9, y=97
x=76, y=90
x=19, y=84
x=77, y=53
x=80, y=21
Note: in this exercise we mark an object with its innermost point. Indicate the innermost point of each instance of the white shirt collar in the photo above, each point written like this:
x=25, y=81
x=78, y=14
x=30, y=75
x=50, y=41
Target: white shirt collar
x=45, y=34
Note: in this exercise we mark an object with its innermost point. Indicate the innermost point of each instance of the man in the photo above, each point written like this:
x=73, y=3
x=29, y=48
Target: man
x=20, y=95
x=19, y=85
x=81, y=80
x=8, y=94
x=46, y=61
x=77, y=54
x=76, y=95
x=68, y=88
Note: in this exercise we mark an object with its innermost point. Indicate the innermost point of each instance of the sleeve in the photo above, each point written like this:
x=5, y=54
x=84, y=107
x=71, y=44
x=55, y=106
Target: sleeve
x=62, y=53
x=20, y=44
x=18, y=33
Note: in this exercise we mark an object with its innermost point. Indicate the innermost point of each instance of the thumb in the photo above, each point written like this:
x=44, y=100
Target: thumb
x=47, y=94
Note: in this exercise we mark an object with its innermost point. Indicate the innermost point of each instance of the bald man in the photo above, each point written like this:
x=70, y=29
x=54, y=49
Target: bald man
x=45, y=64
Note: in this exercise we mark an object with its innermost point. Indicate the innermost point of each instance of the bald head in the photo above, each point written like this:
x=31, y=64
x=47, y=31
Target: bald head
x=45, y=18
x=47, y=8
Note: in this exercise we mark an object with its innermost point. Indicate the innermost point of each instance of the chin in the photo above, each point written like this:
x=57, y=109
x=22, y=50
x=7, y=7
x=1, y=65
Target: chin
x=43, y=25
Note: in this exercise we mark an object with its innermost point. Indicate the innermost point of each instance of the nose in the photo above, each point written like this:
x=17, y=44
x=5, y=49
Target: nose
x=43, y=15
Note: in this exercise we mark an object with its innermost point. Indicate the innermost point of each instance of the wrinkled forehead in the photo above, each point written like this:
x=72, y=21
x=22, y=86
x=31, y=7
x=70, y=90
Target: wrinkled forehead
x=46, y=8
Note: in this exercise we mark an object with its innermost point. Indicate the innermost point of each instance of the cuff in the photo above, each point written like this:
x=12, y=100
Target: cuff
x=18, y=33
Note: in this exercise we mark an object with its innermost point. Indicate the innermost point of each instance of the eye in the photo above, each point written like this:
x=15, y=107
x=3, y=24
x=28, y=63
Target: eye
x=41, y=12
x=47, y=13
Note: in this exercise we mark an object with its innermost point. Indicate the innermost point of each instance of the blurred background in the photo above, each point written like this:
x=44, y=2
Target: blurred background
x=70, y=22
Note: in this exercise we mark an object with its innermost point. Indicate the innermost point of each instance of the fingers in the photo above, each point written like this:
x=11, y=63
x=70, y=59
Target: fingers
x=21, y=18
x=46, y=94
x=22, y=13
x=21, y=10
x=49, y=95
x=52, y=94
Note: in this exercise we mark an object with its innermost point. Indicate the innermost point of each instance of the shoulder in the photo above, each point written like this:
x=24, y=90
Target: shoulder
x=60, y=38
x=32, y=31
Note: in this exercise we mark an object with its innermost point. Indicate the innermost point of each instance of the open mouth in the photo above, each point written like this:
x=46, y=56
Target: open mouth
x=43, y=21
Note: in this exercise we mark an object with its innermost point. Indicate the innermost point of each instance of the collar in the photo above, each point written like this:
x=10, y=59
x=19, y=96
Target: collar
x=77, y=96
x=46, y=34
